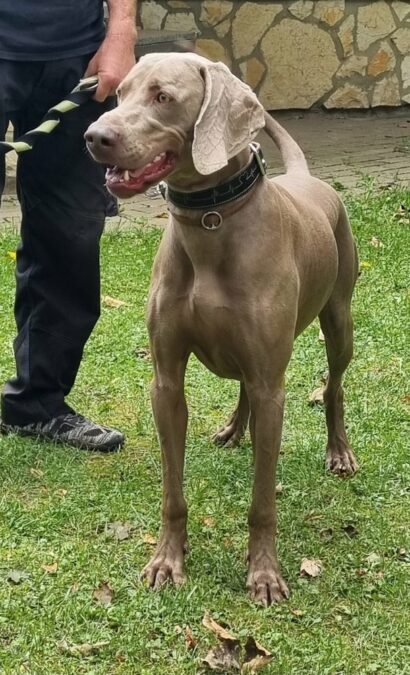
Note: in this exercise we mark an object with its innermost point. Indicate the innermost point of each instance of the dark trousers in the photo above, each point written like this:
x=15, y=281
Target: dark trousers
x=64, y=203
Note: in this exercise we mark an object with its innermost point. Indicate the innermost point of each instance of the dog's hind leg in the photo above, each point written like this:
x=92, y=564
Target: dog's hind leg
x=230, y=435
x=337, y=326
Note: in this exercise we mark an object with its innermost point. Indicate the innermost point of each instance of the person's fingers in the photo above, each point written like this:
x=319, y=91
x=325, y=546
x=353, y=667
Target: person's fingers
x=106, y=87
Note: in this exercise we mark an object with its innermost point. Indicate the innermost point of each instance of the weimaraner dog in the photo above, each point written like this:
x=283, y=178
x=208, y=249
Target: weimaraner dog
x=245, y=264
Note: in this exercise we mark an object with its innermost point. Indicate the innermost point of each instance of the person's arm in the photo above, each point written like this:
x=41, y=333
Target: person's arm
x=116, y=56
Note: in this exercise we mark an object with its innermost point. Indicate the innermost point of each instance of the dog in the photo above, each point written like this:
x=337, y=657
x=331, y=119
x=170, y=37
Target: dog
x=245, y=264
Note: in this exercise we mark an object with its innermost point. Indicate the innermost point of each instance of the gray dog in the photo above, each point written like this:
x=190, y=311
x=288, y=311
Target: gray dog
x=245, y=264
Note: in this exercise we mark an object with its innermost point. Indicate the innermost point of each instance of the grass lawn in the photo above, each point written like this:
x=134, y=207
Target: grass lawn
x=55, y=503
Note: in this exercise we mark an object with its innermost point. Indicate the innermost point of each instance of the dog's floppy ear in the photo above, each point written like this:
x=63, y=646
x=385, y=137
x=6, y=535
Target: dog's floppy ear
x=229, y=119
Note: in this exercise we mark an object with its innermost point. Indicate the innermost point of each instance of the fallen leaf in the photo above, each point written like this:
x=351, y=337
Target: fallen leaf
x=85, y=649
x=38, y=473
x=119, y=530
x=224, y=658
x=279, y=488
x=374, y=241
x=361, y=572
x=350, y=530
x=143, y=353
x=50, y=569
x=310, y=568
x=17, y=576
x=190, y=640
x=314, y=516
x=326, y=534
x=62, y=492
x=364, y=264
x=219, y=631
x=75, y=587
x=12, y=255
x=343, y=609
x=321, y=336
x=316, y=397
x=256, y=656
x=103, y=594
x=373, y=559
x=113, y=302
x=149, y=539
x=209, y=521
x=297, y=612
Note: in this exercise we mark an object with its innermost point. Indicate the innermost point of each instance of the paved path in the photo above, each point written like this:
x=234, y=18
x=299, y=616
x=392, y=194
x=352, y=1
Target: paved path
x=340, y=147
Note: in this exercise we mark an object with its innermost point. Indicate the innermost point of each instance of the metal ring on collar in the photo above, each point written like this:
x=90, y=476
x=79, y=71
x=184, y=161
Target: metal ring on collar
x=212, y=225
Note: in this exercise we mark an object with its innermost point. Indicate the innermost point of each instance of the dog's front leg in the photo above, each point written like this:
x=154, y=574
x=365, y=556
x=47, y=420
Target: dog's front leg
x=264, y=582
x=171, y=416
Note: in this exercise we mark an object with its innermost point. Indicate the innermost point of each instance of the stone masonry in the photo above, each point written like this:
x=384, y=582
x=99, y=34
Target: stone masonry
x=303, y=53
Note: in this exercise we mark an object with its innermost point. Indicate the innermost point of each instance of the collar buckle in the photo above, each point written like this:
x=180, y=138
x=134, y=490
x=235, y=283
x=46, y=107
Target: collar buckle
x=257, y=153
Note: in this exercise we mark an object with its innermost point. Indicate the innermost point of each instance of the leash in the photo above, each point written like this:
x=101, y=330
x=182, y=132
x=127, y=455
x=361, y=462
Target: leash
x=78, y=96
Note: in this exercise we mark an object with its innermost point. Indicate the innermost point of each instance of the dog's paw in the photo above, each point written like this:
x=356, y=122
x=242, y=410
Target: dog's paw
x=341, y=461
x=265, y=584
x=167, y=564
x=228, y=437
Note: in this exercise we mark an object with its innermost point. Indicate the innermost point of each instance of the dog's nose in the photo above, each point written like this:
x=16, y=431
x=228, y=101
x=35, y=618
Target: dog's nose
x=99, y=138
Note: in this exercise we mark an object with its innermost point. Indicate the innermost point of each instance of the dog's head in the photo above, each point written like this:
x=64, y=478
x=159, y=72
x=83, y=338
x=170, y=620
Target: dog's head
x=175, y=111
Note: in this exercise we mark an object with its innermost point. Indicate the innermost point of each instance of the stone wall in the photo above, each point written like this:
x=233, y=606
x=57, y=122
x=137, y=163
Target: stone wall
x=304, y=53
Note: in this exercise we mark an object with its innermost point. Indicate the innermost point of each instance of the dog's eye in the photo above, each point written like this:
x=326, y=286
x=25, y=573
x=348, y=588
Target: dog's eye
x=162, y=98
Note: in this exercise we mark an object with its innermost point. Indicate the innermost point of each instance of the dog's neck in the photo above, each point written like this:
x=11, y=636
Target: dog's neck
x=187, y=179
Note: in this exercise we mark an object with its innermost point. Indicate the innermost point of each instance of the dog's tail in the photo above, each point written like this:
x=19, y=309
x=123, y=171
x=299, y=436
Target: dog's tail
x=292, y=155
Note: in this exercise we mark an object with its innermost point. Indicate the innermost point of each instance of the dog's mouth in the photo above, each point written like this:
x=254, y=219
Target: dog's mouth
x=125, y=183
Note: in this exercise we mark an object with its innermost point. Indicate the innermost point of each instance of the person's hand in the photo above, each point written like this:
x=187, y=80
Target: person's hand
x=112, y=62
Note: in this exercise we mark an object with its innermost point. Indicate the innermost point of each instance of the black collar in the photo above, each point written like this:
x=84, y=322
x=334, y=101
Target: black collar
x=221, y=194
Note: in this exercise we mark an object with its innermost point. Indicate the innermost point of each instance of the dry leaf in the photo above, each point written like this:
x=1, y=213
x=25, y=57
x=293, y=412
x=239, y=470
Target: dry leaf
x=119, y=530
x=316, y=397
x=219, y=631
x=310, y=568
x=403, y=555
x=314, y=516
x=62, y=492
x=279, y=488
x=17, y=576
x=326, y=534
x=190, y=640
x=113, y=302
x=373, y=559
x=38, y=473
x=209, y=521
x=103, y=594
x=350, y=530
x=374, y=241
x=224, y=658
x=50, y=569
x=12, y=255
x=361, y=572
x=85, y=649
x=143, y=353
x=256, y=656
x=75, y=587
x=321, y=336
x=297, y=612
x=149, y=539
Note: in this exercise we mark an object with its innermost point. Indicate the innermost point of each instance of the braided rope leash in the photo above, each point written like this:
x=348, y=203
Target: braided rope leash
x=79, y=95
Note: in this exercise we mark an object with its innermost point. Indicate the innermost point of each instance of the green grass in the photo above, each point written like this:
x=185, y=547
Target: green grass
x=55, y=502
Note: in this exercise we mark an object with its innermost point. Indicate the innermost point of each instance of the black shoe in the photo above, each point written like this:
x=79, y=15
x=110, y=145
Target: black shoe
x=71, y=429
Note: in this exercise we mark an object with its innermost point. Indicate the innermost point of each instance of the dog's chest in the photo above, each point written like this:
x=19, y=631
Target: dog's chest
x=212, y=319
